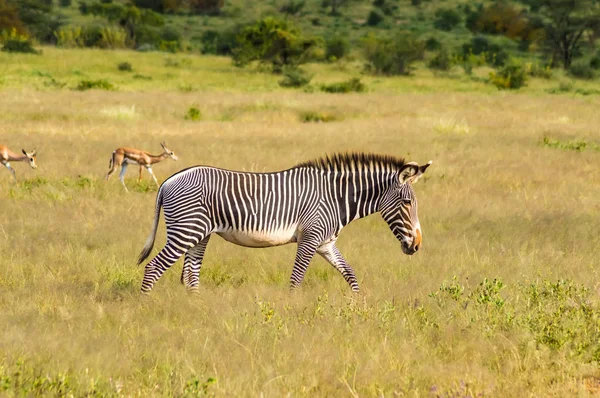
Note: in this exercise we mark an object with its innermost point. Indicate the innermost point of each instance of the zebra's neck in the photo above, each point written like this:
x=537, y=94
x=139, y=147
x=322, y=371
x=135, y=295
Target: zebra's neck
x=358, y=193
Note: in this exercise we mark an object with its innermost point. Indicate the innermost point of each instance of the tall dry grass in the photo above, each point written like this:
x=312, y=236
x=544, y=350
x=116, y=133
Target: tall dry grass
x=495, y=204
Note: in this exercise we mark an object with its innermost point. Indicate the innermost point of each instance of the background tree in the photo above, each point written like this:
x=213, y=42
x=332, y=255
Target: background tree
x=9, y=18
x=565, y=22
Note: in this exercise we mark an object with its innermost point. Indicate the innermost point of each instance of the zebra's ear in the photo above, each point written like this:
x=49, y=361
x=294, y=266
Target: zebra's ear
x=412, y=172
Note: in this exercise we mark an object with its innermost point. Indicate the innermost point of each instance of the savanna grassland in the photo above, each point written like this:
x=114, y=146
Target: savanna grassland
x=503, y=299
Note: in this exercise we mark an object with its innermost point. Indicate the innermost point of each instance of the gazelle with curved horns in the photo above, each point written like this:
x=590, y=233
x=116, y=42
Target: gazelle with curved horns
x=125, y=156
x=7, y=156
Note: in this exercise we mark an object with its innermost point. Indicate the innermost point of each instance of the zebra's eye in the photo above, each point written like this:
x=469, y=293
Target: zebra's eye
x=406, y=201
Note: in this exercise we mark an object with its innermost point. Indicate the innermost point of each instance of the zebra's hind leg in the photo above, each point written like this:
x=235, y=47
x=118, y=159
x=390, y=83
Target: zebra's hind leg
x=190, y=275
x=333, y=256
x=159, y=264
x=306, y=250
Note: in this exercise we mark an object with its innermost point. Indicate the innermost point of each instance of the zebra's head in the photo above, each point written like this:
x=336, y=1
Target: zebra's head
x=31, y=157
x=168, y=151
x=399, y=207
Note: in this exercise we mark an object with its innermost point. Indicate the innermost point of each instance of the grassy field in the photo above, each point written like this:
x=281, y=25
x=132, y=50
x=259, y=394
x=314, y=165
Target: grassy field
x=503, y=299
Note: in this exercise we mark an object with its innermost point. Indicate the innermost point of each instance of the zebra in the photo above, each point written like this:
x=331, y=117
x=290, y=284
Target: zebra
x=308, y=204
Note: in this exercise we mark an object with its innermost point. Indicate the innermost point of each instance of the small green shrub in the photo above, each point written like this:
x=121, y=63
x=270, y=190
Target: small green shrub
x=595, y=62
x=442, y=61
x=537, y=70
x=392, y=55
x=375, y=18
x=511, y=76
x=582, y=70
x=219, y=42
x=564, y=86
x=336, y=47
x=125, y=67
x=348, y=86
x=94, y=84
x=571, y=145
x=317, y=117
x=193, y=114
x=17, y=43
x=65, y=3
x=70, y=37
x=446, y=19
x=294, y=77
x=142, y=77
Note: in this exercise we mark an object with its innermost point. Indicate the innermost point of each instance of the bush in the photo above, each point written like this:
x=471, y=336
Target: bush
x=511, y=76
x=375, y=18
x=70, y=37
x=112, y=37
x=273, y=41
x=432, y=44
x=193, y=114
x=84, y=9
x=317, y=117
x=94, y=84
x=494, y=54
x=292, y=7
x=65, y=3
x=442, y=61
x=294, y=77
x=446, y=19
x=595, y=62
x=582, y=70
x=16, y=43
x=125, y=67
x=537, y=70
x=206, y=7
x=392, y=55
x=336, y=48
x=348, y=86
x=219, y=43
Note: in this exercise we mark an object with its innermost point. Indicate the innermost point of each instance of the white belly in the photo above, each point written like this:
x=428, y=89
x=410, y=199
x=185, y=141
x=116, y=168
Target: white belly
x=261, y=238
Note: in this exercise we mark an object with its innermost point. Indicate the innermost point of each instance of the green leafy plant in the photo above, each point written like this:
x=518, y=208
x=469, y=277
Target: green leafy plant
x=511, y=76
x=125, y=67
x=294, y=77
x=101, y=84
x=193, y=114
x=351, y=85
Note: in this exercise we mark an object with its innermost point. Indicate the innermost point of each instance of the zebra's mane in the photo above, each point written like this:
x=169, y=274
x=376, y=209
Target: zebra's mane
x=354, y=160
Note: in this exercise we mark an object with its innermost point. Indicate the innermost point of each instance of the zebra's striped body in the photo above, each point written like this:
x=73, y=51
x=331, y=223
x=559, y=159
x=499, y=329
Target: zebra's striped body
x=308, y=204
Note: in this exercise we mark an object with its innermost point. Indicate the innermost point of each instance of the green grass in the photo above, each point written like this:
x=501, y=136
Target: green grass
x=502, y=299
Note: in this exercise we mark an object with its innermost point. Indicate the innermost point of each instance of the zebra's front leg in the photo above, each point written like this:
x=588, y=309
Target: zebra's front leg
x=306, y=250
x=159, y=264
x=190, y=275
x=331, y=253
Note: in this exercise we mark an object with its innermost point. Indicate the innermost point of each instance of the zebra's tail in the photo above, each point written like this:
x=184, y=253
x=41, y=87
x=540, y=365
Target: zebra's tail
x=150, y=241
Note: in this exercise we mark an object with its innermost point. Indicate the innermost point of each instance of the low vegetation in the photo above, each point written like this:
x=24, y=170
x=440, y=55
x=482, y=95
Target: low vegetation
x=502, y=299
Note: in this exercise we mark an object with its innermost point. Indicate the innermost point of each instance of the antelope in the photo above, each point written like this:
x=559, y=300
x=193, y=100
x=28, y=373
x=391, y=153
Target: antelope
x=125, y=156
x=6, y=155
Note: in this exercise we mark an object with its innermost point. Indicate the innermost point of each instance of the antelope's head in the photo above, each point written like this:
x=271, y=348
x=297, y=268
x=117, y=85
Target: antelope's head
x=399, y=208
x=168, y=151
x=31, y=156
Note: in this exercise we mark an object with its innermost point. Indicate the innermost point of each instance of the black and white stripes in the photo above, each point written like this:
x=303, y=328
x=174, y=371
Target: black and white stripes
x=308, y=204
